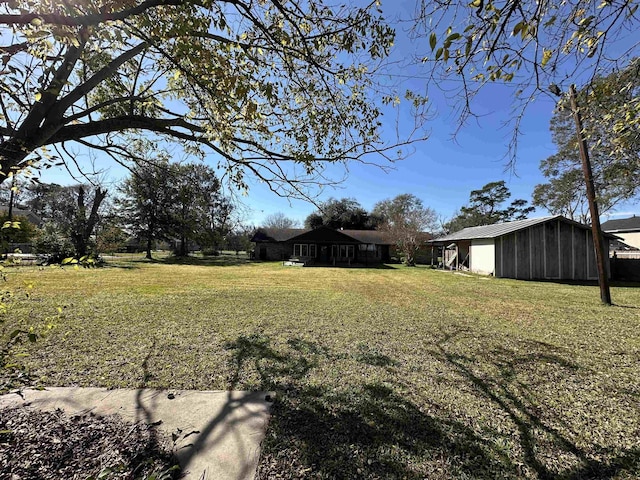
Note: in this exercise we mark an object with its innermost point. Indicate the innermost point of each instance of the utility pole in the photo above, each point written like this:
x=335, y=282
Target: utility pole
x=596, y=229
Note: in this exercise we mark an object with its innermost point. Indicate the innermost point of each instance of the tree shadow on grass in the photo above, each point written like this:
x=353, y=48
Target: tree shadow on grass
x=353, y=431
x=542, y=437
x=372, y=430
x=209, y=261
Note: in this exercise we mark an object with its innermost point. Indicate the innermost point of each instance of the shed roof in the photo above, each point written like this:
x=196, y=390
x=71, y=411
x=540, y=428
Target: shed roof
x=500, y=229
x=622, y=225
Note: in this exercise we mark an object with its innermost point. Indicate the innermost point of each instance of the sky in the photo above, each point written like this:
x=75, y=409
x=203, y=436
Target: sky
x=441, y=171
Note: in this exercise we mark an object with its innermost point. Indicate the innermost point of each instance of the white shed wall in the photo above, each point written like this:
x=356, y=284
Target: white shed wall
x=482, y=256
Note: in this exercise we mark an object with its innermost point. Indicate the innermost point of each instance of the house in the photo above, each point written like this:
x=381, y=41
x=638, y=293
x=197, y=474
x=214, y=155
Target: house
x=548, y=248
x=628, y=229
x=31, y=217
x=322, y=245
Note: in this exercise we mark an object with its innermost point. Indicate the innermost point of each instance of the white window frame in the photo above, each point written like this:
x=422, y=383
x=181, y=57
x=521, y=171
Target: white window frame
x=304, y=250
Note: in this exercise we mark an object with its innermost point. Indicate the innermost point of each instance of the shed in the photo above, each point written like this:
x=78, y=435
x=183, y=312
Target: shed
x=547, y=248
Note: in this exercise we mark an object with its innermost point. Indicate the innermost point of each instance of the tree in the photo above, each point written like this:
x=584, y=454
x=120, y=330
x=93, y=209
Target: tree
x=279, y=220
x=486, y=207
x=239, y=238
x=163, y=200
x=85, y=218
x=564, y=195
x=73, y=211
x=53, y=203
x=528, y=45
x=404, y=218
x=110, y=236
x=344, y=213
x=195, y=192
x=145, y=202
x=615, y=157
x=276, y=89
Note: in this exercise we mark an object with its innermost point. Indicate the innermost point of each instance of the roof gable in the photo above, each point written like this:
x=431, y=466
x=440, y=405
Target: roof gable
x=276, y=234
x=325, y=234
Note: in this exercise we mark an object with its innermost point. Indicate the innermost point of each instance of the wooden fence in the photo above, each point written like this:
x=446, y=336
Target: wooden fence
x=626, y=267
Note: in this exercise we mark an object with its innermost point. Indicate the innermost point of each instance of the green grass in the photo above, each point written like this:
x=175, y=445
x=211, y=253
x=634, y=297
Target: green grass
x=396, y=373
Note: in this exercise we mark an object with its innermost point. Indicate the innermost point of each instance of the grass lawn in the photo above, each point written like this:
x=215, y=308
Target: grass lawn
x=379, y=373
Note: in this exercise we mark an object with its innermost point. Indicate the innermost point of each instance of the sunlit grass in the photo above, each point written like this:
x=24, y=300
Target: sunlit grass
x=379, y=373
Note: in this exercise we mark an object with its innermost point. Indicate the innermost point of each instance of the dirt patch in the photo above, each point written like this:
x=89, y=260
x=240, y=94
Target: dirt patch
x=48, y=445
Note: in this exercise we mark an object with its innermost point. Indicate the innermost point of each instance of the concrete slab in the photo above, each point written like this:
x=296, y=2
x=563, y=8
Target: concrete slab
x=219, y=432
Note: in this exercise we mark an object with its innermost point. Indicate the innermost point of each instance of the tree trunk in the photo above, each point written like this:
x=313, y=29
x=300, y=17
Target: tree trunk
x=84, y=227
x=149, y=242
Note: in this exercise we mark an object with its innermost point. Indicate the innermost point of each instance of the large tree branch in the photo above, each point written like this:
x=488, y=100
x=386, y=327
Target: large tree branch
x=93, y=81
x=84, y=20
x=129, y=122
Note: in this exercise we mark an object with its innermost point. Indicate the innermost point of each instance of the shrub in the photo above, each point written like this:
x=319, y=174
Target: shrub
x=54, y=243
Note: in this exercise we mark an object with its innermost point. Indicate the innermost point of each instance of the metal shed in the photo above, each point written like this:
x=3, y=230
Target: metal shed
x=547, y=248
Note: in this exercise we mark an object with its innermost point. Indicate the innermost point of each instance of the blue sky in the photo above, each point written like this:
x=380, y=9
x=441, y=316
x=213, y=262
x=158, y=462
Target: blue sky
x=441, y=170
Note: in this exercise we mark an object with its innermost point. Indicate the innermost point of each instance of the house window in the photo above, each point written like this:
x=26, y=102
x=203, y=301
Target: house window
x=342, y=251
x=304, y=250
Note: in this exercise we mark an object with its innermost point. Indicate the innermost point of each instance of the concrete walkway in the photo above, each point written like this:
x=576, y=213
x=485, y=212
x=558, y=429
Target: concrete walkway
x=219, y=432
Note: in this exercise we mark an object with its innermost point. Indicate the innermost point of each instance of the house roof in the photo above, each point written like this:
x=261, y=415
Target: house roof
x=630, y=224
x=276, y=234
x=324, y=234
x=21, y=212
x=500, y=229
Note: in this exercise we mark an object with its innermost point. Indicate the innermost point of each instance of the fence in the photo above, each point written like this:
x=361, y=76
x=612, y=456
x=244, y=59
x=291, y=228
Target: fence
x=626, y=267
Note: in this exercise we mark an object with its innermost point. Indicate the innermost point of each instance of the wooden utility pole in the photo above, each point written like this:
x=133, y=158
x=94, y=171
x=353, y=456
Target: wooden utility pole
x=596, y=229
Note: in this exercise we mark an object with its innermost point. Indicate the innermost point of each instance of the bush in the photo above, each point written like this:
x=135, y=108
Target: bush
x=19, y=230
x=54, y=243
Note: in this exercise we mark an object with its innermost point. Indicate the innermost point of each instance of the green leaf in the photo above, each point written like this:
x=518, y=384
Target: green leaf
x=452, y=37
x=433, y=40
x=439, y=53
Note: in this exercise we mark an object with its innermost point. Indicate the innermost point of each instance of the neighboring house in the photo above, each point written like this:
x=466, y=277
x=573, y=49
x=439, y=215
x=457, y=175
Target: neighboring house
x=32, y=218
x=548, y=248
x=322, y=245
x=628, y=229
